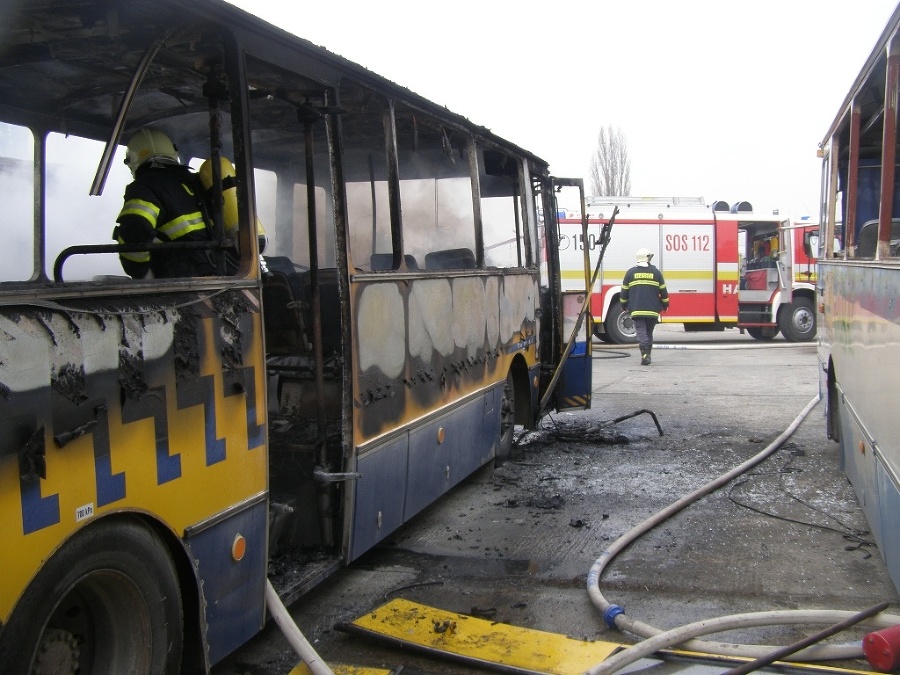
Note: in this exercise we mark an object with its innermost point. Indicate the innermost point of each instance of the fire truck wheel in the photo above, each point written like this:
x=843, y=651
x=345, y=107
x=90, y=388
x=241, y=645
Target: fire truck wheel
x=107, y=602
x=798, y=320
x=619, y=326
x=507, y=420
x=600, y=333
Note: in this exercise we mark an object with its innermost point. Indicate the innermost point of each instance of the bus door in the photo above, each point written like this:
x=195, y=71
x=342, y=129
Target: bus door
x=570, y=386
x=766, y=268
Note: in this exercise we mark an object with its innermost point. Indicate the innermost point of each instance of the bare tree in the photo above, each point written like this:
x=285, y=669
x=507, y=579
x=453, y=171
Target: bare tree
x=610, y=166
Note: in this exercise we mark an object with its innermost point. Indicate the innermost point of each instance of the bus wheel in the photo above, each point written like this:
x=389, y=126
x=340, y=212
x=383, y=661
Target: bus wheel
x=507, y=419
x=762, y=333
x=619, y=326
x=798, y=321
x=107, y=602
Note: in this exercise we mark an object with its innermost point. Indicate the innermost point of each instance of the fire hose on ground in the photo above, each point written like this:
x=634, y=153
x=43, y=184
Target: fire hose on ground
x=685, y=636
x=292, y=633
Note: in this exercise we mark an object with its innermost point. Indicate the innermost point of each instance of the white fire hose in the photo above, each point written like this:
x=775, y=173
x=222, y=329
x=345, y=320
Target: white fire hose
x=296, y=639
x=615, y=616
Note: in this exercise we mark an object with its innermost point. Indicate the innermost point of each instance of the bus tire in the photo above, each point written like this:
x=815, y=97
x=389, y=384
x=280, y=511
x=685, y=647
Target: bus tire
x=108, y=601
x=507, y=420
x=763, y=333
x=619, y=326
x=798, y=320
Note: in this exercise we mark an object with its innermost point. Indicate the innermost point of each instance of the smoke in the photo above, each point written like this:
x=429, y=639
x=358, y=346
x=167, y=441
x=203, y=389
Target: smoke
x=72, y=216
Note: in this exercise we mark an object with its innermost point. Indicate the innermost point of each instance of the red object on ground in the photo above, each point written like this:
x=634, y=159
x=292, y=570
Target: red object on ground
x=882, y=649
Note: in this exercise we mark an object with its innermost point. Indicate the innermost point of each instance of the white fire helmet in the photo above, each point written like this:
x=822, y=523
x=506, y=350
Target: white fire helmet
x=643, y=255
x=149, y=144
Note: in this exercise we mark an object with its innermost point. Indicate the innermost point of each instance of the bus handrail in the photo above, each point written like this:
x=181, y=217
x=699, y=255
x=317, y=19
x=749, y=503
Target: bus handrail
x=87, y=249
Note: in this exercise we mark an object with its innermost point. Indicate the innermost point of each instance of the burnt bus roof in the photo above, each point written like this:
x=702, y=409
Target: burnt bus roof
x=55, y=64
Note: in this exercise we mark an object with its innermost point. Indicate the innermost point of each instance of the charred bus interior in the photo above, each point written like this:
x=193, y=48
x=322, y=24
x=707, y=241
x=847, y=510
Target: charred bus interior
x=109, y=75
x=330, y=160
x=858, y=142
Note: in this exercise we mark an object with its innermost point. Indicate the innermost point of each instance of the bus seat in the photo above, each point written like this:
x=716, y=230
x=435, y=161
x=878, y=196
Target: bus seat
x=384, y=261
x=330, y=306
x=280, y=263
x=868, y=238
x=285, y=329
x=291, y=271
x=450, y=259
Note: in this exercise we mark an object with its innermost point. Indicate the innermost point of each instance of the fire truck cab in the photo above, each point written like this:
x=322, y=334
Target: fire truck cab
x=778, y=276
x=725, y=266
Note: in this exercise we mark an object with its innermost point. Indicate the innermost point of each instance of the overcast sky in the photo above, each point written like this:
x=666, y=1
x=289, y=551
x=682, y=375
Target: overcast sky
x=720, y=99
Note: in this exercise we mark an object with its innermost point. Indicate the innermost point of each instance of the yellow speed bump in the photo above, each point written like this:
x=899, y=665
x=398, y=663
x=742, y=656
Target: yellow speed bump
x=524, y=651
x=479, y=641
x=303, y=669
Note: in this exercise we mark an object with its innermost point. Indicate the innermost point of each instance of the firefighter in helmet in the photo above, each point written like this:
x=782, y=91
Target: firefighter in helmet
x=229, y=204
x=644, y=296
x=164, y=203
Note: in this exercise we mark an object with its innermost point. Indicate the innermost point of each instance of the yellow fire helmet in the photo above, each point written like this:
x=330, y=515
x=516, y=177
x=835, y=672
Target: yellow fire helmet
x=147, y=144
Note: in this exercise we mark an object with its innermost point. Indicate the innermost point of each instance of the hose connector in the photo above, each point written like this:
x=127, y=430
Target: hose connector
x=609, y=616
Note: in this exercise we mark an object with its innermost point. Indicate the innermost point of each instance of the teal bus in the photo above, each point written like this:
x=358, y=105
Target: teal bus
x=858, y=285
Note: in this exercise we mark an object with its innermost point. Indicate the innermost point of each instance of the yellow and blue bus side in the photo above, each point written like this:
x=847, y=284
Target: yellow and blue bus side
x=150, y=406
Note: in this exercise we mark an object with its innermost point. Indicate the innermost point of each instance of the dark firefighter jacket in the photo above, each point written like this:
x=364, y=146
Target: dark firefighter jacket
x=644, y=292
x=164, y=203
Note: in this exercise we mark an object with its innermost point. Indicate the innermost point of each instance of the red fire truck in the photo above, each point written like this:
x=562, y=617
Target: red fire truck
x=725, y=266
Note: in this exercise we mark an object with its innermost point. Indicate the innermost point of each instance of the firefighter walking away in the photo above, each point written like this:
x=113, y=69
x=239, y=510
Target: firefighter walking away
x=644, y=297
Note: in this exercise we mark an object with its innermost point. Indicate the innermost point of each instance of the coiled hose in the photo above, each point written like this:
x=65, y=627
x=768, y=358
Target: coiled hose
x=615, y=616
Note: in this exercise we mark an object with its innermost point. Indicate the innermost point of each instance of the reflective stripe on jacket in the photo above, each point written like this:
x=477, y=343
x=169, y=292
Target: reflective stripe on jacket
x=163, y=204
x=644, y=291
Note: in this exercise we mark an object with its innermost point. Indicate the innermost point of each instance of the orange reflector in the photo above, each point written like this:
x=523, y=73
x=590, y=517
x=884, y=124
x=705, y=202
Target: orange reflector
x=238, y=548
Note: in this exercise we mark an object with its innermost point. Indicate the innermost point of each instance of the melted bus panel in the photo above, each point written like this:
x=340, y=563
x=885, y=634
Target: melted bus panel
x=132, y=405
